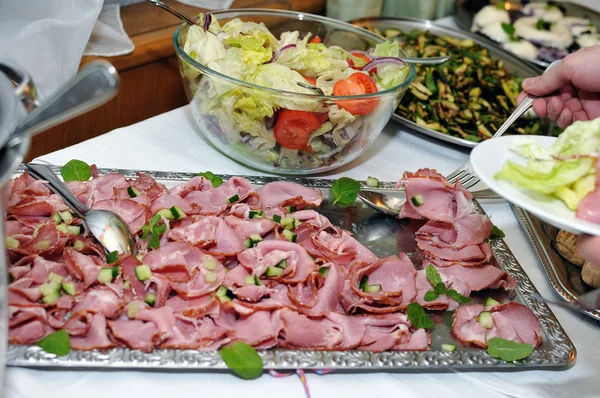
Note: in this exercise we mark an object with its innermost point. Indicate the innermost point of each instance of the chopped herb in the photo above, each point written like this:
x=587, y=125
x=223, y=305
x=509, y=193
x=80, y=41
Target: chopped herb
x=507, y=350
x=243, y=360
x=112, y=257
x=497, y=232
x=440, y=288
x=345, y=191
x=508, y=28
x=431, y=295
x=543, y=25
x=57, y=343
x=76, y=170
x=147, y=228
x=214, y=180
x=456, y=296
x=157, y=232
x=417, y=316
x=433, y=275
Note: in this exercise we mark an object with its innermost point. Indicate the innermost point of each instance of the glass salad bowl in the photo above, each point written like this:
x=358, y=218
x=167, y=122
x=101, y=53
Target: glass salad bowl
x=287, y=92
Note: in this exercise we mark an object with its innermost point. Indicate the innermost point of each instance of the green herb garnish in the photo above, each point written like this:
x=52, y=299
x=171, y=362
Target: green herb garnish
x=501, y=5
x=497, y=232
x=543, y=25
x=243, y=360
x=507, y=350
x=417, y=316
x=76, y=170
x=345, y=191
x=57, y=343
x=510, y=31
x=157, y=232
x=147, y=228
x=214, y=180
x=439, y=287
x=112, y=257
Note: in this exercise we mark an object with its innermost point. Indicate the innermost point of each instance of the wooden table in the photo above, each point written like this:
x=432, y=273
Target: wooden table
x=150, y=82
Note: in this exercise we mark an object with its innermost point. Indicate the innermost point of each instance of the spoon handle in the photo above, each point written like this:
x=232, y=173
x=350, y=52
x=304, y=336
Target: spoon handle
x=43, y=172
x=173, y=11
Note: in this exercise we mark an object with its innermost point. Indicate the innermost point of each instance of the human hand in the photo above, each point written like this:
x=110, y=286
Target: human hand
x=588, y=247
x=570, y=91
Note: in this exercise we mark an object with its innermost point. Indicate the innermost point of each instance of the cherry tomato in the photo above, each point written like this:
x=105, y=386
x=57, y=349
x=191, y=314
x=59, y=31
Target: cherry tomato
x=356, y=84
x=311, y=80
x=315, y=40
x=358, y=55
x=293, y=128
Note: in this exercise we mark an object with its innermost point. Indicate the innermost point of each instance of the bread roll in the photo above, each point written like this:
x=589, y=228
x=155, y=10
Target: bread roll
x=591, y=274
x=565, y=243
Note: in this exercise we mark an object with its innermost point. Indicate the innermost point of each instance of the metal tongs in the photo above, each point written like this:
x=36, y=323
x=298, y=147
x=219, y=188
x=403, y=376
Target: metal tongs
x=589, y=301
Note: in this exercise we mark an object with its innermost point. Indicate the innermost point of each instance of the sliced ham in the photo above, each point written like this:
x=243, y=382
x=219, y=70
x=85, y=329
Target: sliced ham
x=195, y=307
x=167, y=201
x=148, y=185
x=246, y=227
x=99, y=300
x=203, y=280
x=214, y=201
x=211, y=233
x=175, y=260
x=195, y=184
x=472, y=229
x=47, y=240
x=135, y=334
x=26, y=325
x=479, y=278
x=256, y=329
x=42, y=268
x=95, y=338
x=301, y=332
x=284, y=193
x=342, y=248
x=81, y=267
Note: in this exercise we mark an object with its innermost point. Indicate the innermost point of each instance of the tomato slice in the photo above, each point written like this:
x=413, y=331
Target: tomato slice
x=315, y=40
x=311, y=80
x=293, y=128
x=322, y=117
x=356, y=84
x=360, y=55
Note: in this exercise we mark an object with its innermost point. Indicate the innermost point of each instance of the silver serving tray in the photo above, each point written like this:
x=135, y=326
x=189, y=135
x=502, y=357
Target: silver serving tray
x=513, y=64
x=383, y=235
x=564, y=276
x=466, y=10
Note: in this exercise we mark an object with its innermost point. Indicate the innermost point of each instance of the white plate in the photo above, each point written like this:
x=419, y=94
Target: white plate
x=487, y=159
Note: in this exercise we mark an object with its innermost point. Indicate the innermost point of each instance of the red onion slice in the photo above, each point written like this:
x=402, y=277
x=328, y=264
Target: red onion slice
x=276, y=54
x=366, y=54
x=207, y=21
x=382, y=60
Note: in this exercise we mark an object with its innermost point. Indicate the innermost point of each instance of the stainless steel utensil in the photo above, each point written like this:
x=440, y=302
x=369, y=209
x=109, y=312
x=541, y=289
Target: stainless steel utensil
x=110, y=230
x=391, y=204
x=190, y=21
x=93, y=86
x=589, y=301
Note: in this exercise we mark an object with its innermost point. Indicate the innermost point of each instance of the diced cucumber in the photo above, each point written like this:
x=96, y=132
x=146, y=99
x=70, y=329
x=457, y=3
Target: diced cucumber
x=115, y=271
x=363, y=283
x=449, y=347
x=287, y=221
x=44, y=244
x=485, y=320
x=277, y=218
x=256, y=214
x=209, y=263
x=417, y=200
x=289, y=235
x=105, y=276
x=139, y=257
x=233, y=199
x=290, y=209
x=258, y=281
x=133, y=309
x=250, y=280
x=49, y=288
x=166, y=213
x=256, y=238
x=11, y=243
x=177, y=213
x=56, y=218
x=210, y=277
x=62, y=228
x=274, y=271
x=223, y=294
x=75, y=229
x=297, y=223
x=372, y=288
x=68, y=288
x=248, y=243
x=143, y=272
x=66, y=216
x=51, y=298
x=282, y=264
x=55, y=278
x=372, y=182
x=150, y=299
x=324, y=271
x=132, y=191
x=490, y=302
x=78, y=245
x=112, y=257
x=126, y=285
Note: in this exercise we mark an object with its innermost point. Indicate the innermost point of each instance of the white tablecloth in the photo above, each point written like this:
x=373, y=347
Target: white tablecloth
x=171, y=142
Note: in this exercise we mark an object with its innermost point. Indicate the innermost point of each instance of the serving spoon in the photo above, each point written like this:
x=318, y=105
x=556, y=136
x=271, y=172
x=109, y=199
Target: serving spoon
x=191, y=22
x=110, y=230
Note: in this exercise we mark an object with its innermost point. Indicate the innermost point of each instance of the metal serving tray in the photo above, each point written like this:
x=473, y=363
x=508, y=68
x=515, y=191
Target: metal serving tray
x=513, y=64
x=385, y=236
x=466, y=10
x=564, y=276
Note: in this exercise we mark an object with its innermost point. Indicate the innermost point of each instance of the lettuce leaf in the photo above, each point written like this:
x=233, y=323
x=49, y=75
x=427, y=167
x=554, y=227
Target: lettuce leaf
x=311, y=61
x=390, y=75
x=389, y=48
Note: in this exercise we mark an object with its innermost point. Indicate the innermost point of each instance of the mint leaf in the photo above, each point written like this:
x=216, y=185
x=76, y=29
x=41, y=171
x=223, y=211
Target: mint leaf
x=507, y=350
x=497, y=232
x=431, y=295
x=112, y=257
x=345, y=191
x=417, y=316
x=508, y=28
x=243, y=360
x=76, y=170
x=214, y=180
x=456, y=296
x=57, y=343
x=157, y=231
x=433, y=276
x=543, y=25
x=440, y=288
x=147, y=228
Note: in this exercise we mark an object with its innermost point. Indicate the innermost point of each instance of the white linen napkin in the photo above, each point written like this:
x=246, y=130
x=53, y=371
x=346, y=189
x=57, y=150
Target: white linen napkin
x=208, y=4
x=108, y=38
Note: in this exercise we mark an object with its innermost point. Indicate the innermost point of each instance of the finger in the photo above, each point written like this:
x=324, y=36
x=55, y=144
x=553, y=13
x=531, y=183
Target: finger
x=580, y=115
x=539, y=107
x=554, y=106
x=567, y=92
x=521, y=97
x=589, y=248
x=550, y=81
x=565, y=119
x=574, y=104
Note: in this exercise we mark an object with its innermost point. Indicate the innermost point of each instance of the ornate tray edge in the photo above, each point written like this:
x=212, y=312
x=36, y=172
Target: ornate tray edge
x=561, y=356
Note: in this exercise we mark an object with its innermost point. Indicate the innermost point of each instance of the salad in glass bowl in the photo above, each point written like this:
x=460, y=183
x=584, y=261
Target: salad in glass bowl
x=288, y=92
